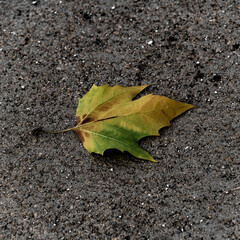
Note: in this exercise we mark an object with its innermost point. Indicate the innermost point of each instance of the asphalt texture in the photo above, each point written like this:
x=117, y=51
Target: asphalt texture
x=51, y=52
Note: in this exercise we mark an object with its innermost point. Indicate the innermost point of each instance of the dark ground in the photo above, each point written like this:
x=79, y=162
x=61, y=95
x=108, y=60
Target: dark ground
x=51, y=52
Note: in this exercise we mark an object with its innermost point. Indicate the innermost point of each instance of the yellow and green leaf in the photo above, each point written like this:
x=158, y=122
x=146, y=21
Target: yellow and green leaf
x=107, y=117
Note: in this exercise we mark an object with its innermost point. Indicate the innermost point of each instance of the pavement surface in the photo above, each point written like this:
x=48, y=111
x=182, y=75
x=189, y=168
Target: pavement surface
x=51, y=52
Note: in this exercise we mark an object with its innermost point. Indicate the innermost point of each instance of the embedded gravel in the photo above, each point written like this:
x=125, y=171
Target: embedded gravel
x=51, y=52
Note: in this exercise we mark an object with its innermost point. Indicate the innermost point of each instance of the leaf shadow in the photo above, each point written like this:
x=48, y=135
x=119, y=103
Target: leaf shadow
x=116, y=158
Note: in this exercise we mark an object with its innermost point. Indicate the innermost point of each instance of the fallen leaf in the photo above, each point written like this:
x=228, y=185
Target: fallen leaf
x=107, y=118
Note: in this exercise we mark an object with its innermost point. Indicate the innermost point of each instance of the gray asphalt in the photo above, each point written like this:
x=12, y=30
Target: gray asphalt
x=51, y=52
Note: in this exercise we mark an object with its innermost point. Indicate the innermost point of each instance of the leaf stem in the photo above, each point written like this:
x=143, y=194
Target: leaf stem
x=40, y=129
x=61, y=131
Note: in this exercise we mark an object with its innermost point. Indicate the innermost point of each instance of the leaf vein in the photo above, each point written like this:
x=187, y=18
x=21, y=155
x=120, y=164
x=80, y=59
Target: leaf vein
x=109, y=138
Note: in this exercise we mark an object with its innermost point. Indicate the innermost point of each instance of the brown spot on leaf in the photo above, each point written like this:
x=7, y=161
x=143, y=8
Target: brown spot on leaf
x=80, y=135
x=83, y=116
x=89, y=126
x=105, y=107
x=87, y=120
x=78, y=119
x=86, y=134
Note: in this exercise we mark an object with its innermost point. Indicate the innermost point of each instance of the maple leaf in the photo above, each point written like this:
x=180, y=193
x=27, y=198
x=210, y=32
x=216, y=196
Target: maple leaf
x=107, y=118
